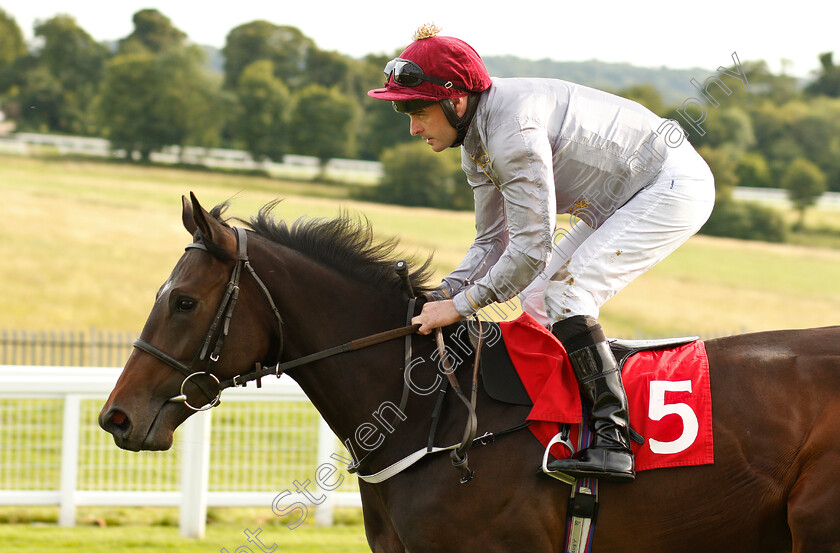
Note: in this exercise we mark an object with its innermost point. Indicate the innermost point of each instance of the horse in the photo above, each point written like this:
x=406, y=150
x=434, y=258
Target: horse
x=773, y=486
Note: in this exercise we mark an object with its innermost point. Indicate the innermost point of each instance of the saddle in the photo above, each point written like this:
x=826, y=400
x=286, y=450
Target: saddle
x=502, y=382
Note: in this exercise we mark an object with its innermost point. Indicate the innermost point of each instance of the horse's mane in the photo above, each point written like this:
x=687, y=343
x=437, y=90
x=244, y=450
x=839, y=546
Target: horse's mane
x=345, y=243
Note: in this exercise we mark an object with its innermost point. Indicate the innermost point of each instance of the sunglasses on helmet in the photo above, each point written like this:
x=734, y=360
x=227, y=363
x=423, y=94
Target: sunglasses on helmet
x=408, y=73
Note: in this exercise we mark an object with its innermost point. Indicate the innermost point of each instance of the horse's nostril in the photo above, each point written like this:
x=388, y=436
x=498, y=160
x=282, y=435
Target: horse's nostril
x=118, y=422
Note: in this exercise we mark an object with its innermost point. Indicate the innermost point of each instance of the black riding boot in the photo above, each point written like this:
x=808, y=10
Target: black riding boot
x=609, y=456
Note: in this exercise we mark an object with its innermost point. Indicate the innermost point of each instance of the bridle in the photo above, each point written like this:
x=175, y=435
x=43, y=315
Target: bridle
x=222, y=319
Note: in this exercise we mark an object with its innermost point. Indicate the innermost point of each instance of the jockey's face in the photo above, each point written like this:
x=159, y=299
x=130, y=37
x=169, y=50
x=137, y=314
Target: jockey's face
x=431, y=124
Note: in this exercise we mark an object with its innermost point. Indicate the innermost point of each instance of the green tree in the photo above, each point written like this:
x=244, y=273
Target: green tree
x=805, y=183
x=827, y=82
x=153, y=32
x=70, y=53
x=329, y=69
x=768, y=125
x=753, y=171
x=322, y=123
x=733, y=218
x=286, y=47
x=764, y=85
x=826, y=153
x=732, y=127
x=723, y=164
x=817, y=133
x=414, y=175
x=382, y=128
x=150, y=101
x=12, y=45
x=772, y=124
x=68, y=60
x=262, y=118
x=808, y=128
x=40, y=94
x=333, y=69
x=128, y=105
x=725, y=127
x=647, y=95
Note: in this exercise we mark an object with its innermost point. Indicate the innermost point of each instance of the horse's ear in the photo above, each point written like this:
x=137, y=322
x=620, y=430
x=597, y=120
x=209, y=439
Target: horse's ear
x=187, y=216
x=211, y=228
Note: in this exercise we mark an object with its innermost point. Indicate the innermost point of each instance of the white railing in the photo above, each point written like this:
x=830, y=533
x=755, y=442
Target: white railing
x=53, y=453
x=291, y=166
x=780, y=196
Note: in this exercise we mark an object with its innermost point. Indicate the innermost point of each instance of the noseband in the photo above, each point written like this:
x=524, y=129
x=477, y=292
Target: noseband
x=222, y=318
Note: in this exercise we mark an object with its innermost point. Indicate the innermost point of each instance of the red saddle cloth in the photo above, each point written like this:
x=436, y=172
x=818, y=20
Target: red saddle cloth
x=668, y=393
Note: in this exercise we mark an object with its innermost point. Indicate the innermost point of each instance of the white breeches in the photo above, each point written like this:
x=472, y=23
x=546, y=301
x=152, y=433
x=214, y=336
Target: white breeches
x=589, y=266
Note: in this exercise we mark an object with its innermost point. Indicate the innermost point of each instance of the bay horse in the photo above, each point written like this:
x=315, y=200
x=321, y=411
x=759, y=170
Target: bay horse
x=774, y=485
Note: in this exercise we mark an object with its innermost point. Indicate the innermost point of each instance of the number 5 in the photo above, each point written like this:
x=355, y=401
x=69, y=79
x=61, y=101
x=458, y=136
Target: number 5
x=657, y=409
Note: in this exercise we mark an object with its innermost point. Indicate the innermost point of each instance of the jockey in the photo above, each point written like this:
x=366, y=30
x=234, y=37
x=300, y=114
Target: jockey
x=532, y=149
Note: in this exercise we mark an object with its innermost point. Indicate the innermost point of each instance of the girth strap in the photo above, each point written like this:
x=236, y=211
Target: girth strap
x=405, y=462
x=582, y=513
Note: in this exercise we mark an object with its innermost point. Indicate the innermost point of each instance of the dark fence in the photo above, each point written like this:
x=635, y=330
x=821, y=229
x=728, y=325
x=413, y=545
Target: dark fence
x=94, y=348
x=97, y=348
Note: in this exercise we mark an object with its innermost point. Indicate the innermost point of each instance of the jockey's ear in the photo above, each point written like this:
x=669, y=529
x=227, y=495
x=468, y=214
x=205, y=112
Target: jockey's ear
x=460, y=104
x=212, y=229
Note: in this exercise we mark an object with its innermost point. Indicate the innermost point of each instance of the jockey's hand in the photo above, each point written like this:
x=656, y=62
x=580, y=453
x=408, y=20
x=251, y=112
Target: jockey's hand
x=436, y=314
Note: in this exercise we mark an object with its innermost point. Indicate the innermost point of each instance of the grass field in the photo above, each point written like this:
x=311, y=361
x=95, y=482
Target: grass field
x=16, y=538
x=87, y=244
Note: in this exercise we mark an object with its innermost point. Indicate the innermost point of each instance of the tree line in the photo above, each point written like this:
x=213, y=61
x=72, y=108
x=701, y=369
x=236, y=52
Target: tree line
x=279, y=93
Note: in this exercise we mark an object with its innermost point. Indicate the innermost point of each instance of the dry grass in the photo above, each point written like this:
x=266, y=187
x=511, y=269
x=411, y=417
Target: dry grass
x=88, y=244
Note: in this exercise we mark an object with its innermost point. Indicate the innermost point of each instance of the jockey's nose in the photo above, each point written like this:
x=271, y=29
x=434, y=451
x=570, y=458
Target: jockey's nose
x=414, y=127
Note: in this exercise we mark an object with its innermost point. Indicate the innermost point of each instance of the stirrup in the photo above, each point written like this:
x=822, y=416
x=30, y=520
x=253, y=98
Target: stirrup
x=562, y=438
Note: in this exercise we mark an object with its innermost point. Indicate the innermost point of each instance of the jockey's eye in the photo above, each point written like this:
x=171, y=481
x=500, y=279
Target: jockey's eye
x=183, y=304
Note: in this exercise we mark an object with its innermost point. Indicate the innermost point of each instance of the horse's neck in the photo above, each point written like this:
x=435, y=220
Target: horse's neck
x=321, y=309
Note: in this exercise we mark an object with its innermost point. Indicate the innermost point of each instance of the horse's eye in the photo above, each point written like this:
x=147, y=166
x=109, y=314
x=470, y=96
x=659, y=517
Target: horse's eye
x=185, y=304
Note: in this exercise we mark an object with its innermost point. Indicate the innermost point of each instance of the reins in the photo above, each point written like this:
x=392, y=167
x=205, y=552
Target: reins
x=354, y=345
